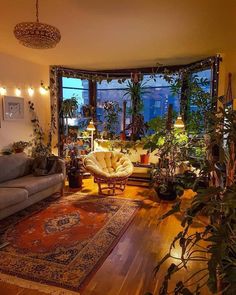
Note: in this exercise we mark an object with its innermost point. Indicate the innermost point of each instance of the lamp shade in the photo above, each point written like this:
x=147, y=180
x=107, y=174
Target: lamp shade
x=91, y=126
x=179, y=122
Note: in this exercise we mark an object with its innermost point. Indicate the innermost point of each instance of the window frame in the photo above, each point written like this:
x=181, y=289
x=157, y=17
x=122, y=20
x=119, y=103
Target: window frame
x=56, y=74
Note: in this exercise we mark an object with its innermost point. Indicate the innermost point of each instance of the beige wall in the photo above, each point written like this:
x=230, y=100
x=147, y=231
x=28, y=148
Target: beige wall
x=228, y=65
x=14, y=73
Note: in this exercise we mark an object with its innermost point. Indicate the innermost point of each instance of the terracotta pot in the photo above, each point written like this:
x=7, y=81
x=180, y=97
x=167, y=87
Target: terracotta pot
x=122, y=136
x=144, y=159
x=17, y=151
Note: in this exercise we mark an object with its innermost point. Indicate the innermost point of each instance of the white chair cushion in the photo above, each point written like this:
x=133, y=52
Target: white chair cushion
x=108, y=164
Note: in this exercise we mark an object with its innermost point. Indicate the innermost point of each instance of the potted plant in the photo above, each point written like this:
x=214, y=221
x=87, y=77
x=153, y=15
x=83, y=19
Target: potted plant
x=87, y=110
x=19, y=146
x=111, y=116
x=68, y=108
x=214, y=246
x=170, y=146
x=137, y=126
x=75, y=172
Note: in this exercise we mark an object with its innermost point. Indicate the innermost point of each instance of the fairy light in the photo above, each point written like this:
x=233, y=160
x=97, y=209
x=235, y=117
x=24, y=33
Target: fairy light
x=18, y=92
x=3, y=90
x=31, y=91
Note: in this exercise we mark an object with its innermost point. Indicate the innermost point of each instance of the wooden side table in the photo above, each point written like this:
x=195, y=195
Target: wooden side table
x=141, y=175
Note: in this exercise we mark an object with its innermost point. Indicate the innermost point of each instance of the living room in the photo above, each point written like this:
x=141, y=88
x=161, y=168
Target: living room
x=117, y=141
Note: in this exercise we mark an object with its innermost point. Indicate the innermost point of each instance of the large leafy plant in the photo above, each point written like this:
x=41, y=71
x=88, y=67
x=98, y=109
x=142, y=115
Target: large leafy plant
x=135, y=91
x=111, y=115
x=214, y=245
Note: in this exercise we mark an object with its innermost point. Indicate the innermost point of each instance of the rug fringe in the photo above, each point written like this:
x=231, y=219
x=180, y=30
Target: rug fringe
x=12, y=280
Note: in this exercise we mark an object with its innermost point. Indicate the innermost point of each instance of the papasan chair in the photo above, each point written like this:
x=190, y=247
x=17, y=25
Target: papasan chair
x=110, y=170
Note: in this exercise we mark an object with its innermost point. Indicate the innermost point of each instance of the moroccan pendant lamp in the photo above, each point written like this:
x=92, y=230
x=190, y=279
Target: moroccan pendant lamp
x=37, y=35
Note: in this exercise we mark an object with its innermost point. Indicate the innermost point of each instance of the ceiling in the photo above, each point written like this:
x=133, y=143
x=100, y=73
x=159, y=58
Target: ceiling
x=106, y=34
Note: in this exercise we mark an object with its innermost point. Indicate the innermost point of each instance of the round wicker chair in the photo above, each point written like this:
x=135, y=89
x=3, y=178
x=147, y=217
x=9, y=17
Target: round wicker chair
x=110, y=170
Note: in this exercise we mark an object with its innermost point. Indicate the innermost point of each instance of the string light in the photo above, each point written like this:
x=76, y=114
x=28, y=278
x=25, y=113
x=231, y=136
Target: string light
x=18, y=92
x=31, y=91
x=3, y=90
x=43, y=89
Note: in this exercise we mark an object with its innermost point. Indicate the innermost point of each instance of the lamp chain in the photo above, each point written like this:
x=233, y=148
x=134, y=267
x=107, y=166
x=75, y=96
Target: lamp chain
x=37, y=10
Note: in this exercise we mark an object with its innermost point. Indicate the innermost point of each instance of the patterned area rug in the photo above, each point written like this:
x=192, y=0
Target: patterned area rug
x=61, y=241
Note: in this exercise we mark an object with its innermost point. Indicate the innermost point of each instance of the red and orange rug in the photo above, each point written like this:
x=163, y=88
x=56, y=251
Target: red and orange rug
x=62, y=241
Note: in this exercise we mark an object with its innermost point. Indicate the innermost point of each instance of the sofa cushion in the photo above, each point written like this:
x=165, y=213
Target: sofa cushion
x=13, y=166
x=34, y=184
x=12, y=196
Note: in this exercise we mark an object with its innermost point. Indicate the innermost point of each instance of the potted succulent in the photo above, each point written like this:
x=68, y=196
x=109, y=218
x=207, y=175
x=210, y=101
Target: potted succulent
x=19, y=146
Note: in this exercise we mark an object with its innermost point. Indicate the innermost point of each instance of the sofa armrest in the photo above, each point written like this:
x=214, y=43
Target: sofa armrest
x=62, y=165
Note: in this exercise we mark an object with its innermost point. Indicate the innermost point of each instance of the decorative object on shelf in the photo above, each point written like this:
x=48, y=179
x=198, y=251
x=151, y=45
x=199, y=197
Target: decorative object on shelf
x=91, y=127
x=37, y=35
x=13, y=108
x=179, y=123
x=19, y=146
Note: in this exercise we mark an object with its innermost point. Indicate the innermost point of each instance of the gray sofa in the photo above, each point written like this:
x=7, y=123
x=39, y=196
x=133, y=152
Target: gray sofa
x=19, y=188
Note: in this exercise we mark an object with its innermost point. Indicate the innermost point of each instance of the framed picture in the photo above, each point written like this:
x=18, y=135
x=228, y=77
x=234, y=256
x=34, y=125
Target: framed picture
x=13, y=108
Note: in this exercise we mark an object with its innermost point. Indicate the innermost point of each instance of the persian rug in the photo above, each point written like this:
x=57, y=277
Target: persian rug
x=62, y=241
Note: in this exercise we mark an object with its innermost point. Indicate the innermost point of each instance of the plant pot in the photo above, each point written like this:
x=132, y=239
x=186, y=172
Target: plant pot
x=122, y=136
x=75, y=180
x=144, y=159
x=166, y=191
x=17, y=151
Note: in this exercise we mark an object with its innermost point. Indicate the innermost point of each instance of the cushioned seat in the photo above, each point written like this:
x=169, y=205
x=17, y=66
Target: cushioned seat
x=33, y=184
x=111, y=168
x=12, y=196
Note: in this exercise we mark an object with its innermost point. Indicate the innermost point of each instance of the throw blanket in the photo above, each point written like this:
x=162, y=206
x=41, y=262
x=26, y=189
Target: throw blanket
x=46, y=166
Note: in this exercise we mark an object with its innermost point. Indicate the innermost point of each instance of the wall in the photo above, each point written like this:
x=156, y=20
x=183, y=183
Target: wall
x=14, y=73
x=228, y=65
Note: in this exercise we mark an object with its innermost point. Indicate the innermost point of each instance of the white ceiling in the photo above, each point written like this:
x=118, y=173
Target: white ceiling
x=103, y=34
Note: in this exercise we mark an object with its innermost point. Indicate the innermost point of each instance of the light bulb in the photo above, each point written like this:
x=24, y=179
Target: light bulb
x=3, y=90
x=42, y=90
x=18, y=92
x=31, y=91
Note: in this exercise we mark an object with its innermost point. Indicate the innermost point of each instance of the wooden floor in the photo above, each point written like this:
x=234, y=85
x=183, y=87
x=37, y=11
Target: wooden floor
x=128, y=270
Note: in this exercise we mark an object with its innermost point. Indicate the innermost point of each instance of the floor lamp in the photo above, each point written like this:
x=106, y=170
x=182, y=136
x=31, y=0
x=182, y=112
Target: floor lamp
x=91, y=128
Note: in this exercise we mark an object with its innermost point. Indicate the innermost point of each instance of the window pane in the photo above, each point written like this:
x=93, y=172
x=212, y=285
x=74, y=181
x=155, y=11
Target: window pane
x=157, y=81
x=206, y=87
x=75, y=83
x=157, y=97
x=104, y=85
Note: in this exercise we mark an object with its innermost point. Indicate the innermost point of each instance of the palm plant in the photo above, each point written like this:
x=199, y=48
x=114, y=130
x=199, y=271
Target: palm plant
x=68, y=108
x=135, y=90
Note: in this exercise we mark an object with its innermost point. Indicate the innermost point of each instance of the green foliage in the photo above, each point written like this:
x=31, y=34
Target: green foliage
x=214, y=244
x=68, y=107
x=112, y=110
x=41, y=144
